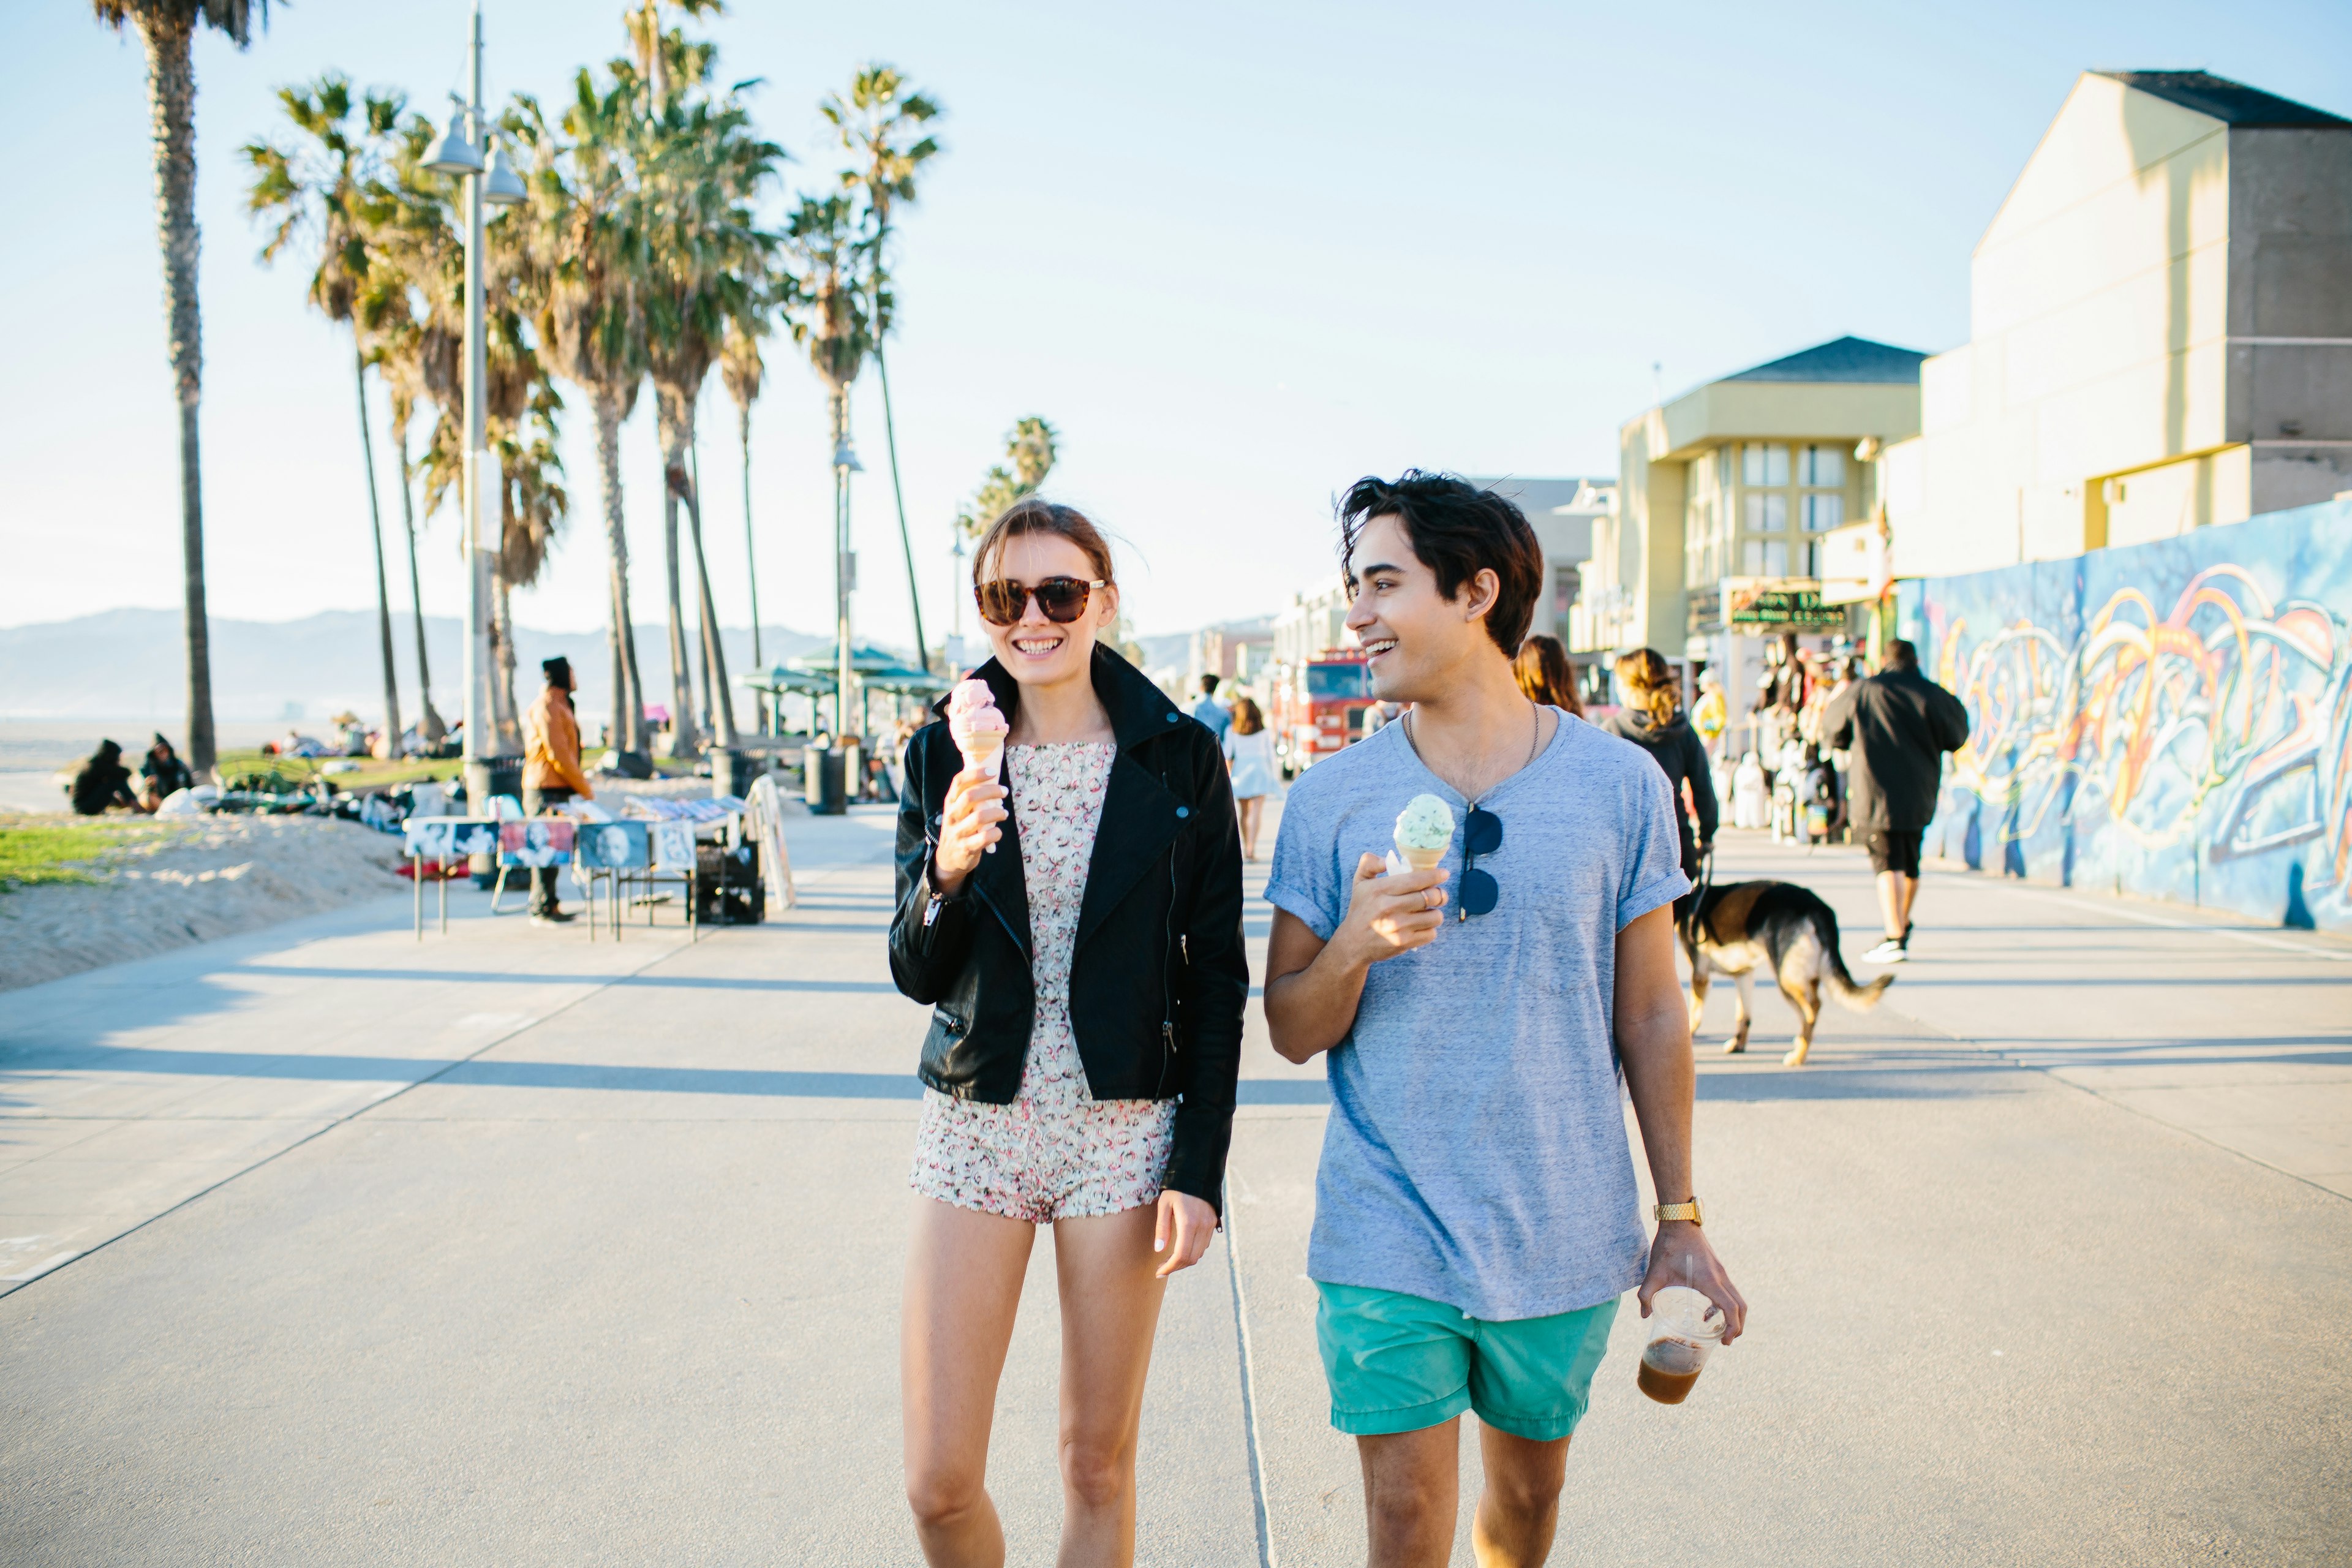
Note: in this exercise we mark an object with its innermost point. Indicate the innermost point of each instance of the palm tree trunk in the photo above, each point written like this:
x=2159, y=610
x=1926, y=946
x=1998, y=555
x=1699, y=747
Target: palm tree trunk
x=714, y=652
x=505, y=717
x=429, y=728
x=750, y=563
x=684, y=742
x=707, y=630
x=165, y=32
x=906, y=540
x=383, y=585
x=838, y=408
x=628, y=692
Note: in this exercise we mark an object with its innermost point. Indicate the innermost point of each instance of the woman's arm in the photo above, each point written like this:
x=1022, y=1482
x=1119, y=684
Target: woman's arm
x=1216, y=981
x=931, y=935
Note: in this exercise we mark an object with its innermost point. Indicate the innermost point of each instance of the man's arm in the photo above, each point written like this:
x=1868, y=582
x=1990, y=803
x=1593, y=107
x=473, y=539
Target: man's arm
x=1312, y=987
x=1653, y=1029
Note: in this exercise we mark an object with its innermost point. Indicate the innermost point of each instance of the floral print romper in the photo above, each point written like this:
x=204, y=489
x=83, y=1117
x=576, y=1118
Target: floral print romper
x=1056, y=1151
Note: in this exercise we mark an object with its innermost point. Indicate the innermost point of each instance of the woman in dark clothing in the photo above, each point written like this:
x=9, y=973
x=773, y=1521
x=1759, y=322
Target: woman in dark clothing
x=1653, y=718
x=103, y=783
x=1072, y=916
x=162, y=774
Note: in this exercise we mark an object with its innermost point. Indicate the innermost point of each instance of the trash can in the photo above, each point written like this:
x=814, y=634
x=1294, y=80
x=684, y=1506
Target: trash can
x=731, y=773
x=825, y=790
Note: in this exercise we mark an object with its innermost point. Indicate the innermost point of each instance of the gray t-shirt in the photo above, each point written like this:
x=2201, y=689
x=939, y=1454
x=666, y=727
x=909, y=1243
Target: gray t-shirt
x=1476, y=1152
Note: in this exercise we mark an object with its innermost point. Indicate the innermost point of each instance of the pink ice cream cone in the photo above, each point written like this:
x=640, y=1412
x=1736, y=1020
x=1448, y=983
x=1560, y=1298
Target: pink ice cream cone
x=978, y=725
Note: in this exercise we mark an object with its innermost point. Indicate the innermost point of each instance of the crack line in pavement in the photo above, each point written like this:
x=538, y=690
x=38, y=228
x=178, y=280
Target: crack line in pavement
x=46, y=1270
x=2236, y=934
x=1249, y=1382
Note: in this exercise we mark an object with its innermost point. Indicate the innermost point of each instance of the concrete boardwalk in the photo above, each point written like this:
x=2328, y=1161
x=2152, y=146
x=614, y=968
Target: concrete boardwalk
x=509, y=1247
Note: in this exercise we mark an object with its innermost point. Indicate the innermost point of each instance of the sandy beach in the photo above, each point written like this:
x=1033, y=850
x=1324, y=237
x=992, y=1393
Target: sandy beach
x=169, y=884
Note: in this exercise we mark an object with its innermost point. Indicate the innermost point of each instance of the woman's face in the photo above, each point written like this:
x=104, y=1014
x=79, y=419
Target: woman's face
x=1037, y=651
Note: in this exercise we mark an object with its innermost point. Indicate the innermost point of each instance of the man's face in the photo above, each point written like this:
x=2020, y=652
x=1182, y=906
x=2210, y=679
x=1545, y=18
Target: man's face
x=1418, y=642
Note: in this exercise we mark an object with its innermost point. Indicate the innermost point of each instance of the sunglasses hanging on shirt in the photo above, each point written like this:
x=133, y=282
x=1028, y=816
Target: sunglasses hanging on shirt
x=1482, y=834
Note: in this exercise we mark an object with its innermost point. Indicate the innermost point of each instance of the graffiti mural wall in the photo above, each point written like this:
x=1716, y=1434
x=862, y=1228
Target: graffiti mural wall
x=2172, y=720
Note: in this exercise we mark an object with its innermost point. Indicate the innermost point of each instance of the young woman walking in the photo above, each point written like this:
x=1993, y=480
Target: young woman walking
x=1249, y=751
x=1653, y=718
x=1073, y=921
x=1542, y=670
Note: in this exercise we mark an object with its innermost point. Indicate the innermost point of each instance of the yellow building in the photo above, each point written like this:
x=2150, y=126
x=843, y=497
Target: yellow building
x=1737, y=481
x=2161, y=333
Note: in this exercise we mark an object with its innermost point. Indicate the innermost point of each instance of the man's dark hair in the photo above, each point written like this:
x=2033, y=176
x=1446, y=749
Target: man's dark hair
x=558, y=671
x=1208, y=686
x=1902, y=654
x=1457, y=531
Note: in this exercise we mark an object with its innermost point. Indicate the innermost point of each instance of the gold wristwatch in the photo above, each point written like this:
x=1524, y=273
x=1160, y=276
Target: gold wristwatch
x=1689, y=1211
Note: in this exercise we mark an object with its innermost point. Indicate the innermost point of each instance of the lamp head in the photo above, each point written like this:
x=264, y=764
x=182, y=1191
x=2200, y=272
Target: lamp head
x=845, y=456
x=451, y=152
x=503, y=187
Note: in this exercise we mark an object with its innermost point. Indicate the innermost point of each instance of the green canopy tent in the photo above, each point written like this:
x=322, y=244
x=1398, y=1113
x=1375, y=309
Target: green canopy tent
x=774, y=685
x=876, y=669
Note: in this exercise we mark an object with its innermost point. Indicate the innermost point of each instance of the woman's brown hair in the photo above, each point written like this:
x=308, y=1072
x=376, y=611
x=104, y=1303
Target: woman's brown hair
x=1542, y=669
x=1247, y=720
x=1650, y=681
x=1033, y=514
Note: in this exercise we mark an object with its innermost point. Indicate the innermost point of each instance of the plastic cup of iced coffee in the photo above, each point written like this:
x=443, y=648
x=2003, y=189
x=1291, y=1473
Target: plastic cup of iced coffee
x=1685, y=1329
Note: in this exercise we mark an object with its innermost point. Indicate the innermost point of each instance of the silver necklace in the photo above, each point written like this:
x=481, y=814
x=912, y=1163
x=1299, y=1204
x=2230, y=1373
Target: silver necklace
x=1535, y=734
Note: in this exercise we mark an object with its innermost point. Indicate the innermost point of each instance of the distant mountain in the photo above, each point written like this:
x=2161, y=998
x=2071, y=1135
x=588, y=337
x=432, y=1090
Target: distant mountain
x=127, y=663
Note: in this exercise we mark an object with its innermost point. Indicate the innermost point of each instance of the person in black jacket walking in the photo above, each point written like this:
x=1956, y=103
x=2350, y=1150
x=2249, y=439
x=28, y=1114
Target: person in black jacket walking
x=1653, y=719
x=1075, y=923
x=1898, y=724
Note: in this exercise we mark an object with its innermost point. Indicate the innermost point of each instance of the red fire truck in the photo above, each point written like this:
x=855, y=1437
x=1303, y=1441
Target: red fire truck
x=1318, y=707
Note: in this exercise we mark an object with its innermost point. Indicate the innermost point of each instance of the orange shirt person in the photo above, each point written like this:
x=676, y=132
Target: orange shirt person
x=551, y=772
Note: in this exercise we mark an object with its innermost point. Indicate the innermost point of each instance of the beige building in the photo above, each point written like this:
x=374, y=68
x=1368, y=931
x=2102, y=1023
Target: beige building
x=2161, y=333
x=1736, y=482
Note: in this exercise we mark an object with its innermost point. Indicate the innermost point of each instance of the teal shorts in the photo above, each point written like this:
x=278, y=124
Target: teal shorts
x=1398, y=1363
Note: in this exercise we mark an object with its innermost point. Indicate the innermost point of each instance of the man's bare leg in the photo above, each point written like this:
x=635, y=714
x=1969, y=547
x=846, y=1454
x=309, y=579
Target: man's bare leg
x=1892, y=902
x=1519, y=1510
x=1411, y=1488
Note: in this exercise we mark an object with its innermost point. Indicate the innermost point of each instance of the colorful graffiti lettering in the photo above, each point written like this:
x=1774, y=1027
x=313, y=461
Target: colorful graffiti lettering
x=2201, y=751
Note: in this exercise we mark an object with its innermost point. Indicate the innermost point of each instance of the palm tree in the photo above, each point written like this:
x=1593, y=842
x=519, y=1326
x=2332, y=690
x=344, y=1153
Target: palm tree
x=702, y=166
x=829, y=319
x=317, y=191
x=167, y=32
x=1029, y=446
x=882, y=125
x=741, y=368
x=588, y=255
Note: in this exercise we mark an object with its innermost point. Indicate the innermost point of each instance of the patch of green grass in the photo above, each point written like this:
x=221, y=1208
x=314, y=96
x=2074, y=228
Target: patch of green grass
x=31, y=855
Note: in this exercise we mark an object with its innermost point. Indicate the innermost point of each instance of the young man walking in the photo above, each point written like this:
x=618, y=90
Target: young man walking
x=551, y=772
x=1476, y=1215
x=1898, y=724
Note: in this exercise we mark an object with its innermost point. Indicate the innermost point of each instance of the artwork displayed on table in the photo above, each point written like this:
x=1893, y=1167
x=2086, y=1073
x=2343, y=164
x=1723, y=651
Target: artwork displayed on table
x=674, y=845
x=540, y=842
x=448, y=837
x=614, y=845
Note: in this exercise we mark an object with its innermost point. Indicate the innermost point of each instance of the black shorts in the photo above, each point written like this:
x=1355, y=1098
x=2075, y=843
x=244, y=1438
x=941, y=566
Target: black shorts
x=1892, y=851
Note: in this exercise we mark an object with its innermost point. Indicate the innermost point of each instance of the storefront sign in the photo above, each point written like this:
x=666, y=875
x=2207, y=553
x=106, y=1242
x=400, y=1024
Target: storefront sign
x=1779, y=605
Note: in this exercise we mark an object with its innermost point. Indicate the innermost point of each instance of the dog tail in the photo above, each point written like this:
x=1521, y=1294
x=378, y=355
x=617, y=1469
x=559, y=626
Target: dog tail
x=1861, y=998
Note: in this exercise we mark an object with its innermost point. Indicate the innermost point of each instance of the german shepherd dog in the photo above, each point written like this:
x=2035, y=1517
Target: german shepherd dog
x=1735, y=928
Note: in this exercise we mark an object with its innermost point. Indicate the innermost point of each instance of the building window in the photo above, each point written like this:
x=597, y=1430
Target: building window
x=1766, y=513
x=1823, y=465
x=1763, y=463
x=1823, y=512
x=1768, y=558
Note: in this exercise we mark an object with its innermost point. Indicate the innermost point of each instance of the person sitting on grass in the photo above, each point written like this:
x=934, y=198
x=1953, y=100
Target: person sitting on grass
x=103, y=783
x=162, y=776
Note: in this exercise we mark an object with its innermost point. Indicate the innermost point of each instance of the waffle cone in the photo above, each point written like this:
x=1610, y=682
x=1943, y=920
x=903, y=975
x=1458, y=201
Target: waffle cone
x=977, y=753
x=1422, y=859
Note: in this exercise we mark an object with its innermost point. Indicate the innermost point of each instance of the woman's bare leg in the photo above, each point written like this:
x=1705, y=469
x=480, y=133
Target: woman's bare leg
x=963, y=1287
x=1249, y=812
x=1110, y=1309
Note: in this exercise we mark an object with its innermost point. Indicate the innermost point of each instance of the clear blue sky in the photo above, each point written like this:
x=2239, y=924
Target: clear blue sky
x=1240, y=254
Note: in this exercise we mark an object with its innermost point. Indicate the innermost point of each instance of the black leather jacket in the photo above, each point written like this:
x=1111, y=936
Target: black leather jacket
x=1158, y=976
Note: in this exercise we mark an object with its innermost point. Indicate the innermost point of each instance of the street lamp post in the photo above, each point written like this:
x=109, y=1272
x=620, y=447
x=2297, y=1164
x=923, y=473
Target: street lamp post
x=845, y=579
x=458, y=152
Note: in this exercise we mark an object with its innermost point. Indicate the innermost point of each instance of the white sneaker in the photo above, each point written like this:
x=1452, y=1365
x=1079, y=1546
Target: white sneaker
x=1887, y=951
